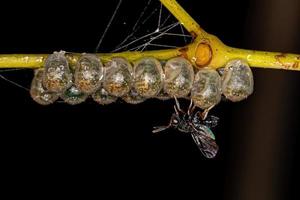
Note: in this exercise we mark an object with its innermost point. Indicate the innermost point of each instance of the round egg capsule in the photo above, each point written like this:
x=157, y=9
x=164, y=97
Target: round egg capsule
x=88, y=73
x=133, y=97
x=179, y=77
x=102, y=97
x=57, y=75
x=148, y=77
x=73, y=96
x=38, y=92
x=206, y=91
x=117, y=77
x=237, y=80
x=162, y=95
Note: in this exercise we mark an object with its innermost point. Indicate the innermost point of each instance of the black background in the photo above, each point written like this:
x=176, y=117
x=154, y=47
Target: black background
x=110, y=149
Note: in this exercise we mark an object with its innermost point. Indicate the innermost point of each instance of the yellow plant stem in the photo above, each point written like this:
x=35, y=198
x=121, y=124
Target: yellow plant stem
x=262, y=59
x=220, y=53
x=183, y=17
x=37, y=60
x=206, y=51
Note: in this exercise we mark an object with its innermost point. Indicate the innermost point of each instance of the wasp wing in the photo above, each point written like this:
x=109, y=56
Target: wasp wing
x=206, y=144
x=211, y=121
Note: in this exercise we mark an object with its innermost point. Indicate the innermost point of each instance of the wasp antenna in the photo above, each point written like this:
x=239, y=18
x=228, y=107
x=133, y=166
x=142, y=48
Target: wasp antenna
x=191, y=107
x=160, y=128
x=175, y=108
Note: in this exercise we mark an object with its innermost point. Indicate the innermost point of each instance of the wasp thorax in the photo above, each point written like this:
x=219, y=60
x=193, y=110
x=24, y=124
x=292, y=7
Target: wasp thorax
x=237, y=80
x=88, y=73
x=73, y=96
x=102, y=97
x=57, y=76
x=38, y=92
x=148, y=75
x=206, y=91
x=179, y=77
x=117, y=77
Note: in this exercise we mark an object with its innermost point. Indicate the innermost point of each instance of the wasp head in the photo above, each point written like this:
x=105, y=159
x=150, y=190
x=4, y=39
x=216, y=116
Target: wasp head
x=180, y=120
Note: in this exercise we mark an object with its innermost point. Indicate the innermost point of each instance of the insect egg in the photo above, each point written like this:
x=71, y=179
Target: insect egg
x=133, y=97
x=179, y=77
x=38, y=92
x=162, y=95
x=237, y=80
x=73, y=96
x=117, y=77
x=57, y=76
x=206, y=90
x=102, y=97
x=148, y=77
x=88, y=73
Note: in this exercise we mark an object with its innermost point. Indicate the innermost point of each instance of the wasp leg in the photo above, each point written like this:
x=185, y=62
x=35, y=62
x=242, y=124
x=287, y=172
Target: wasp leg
x=191, y=108
x=177, y=105
x=204, y=114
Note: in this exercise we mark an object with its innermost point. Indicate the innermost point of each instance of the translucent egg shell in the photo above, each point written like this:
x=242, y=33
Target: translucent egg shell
x=237, y=80
x=133, y=97
x=179, y=77
x=73, y=96
x=162, y=95
x=88, y=73
x=57, y=75
x=148, y=77
x=206, y=90
x=102, y=97
x=38, y=92
x=117, y=77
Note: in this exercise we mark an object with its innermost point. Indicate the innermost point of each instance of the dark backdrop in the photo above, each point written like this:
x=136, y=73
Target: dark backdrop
x=110, y=149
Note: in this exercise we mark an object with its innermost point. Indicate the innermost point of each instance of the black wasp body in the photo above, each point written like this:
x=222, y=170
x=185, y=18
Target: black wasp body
x=198, y=124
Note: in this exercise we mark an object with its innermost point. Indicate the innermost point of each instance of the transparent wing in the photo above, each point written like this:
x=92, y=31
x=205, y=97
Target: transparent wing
x=211, y=121
x=207, y=145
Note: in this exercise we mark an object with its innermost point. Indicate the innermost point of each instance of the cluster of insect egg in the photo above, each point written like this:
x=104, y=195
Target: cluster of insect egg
x=146, y=78
x=235, y=83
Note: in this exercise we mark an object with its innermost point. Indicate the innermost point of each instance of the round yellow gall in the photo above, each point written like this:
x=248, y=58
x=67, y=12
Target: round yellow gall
x=203, y=55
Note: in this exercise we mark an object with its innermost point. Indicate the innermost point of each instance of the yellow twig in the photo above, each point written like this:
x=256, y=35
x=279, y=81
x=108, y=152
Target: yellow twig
x=205, y=51
x=37, y=60
x=183, y=17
